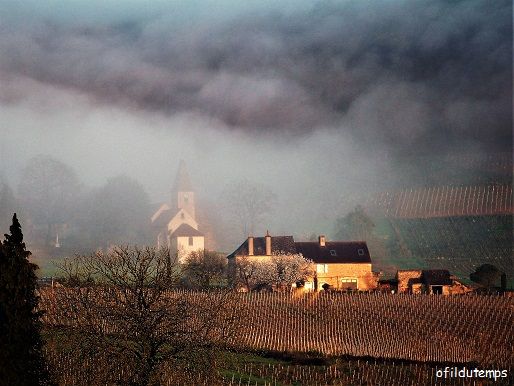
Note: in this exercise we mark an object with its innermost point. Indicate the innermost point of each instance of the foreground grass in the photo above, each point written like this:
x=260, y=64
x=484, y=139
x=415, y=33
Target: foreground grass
x=247, y=368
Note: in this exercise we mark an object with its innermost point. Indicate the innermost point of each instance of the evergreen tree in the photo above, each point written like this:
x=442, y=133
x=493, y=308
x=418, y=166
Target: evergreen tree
x=21, y=358
x=7, y=205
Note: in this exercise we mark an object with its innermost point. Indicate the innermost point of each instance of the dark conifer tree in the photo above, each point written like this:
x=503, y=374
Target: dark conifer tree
x=21, y=357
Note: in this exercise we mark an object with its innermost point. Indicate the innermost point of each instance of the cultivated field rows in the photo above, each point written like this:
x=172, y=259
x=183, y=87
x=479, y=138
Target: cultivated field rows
x=421, y=328
x=444, y=201
x=458, y=329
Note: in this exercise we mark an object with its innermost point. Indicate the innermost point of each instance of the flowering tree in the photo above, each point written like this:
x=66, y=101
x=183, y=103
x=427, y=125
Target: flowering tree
x=279, y=271
x=290, y=269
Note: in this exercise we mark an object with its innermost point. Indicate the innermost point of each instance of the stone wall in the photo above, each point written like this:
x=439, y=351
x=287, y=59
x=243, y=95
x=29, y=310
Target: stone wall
x=404, y=276
x=366, y=279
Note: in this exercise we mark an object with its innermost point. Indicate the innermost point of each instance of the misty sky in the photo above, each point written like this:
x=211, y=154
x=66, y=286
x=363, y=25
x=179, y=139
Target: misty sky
x=313, y=98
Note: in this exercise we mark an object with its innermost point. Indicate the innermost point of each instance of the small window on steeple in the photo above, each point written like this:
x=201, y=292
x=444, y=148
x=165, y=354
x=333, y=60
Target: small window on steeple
x=182, y=215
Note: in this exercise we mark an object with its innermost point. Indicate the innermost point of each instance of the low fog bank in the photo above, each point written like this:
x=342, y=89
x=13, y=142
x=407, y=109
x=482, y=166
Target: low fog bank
x=315, y=176
x=323, y=102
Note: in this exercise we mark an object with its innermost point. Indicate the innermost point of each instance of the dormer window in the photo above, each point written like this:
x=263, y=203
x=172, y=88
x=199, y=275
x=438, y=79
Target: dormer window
x=360, y=251
x=333, y=252
x=182, y=215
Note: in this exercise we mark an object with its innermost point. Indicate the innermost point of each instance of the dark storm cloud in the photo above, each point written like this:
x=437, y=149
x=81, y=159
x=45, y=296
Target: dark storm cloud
x=403, y=74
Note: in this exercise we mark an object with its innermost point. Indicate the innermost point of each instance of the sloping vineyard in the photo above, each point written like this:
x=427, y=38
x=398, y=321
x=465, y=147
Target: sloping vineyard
x=466, y=329
x=452, y=227
x=500, y=163
x=460, y=244
x=446, y=201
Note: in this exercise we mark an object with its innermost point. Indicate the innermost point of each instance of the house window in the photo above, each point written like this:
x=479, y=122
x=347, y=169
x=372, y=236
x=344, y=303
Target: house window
x=190, y=241
x=333, y=252
x=349, y=284
x=360, y=251
x=182, y=215
x=321, y=268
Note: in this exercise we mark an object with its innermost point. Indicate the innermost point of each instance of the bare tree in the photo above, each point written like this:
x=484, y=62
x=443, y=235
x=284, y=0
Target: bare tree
x=278, y=272
x=248, y=204
x=204, y=269
x=123, y=306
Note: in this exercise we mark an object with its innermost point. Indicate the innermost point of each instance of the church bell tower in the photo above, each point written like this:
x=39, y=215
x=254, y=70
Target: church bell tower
x=183, y=194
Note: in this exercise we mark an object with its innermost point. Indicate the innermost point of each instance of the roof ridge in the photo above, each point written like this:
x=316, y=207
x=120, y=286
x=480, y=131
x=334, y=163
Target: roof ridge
x=187, y=228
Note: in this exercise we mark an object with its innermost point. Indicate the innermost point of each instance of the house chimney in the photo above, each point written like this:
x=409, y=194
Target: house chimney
x=321, y=240
x=268, y=244
x=250, y=246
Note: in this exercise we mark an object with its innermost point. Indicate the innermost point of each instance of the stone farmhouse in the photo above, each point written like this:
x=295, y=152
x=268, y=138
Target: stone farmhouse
x=175, y=224
x=434, y=281
x=340, y=265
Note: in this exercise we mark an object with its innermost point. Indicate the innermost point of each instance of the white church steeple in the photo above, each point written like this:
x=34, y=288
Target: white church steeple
x=183, y=194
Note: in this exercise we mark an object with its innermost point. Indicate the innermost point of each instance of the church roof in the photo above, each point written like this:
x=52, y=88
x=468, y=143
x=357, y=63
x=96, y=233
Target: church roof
x=186, y=230
x=182, y=181
x=163, y=219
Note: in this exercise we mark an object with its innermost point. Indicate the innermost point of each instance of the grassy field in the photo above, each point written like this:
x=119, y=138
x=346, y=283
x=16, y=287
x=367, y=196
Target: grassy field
x=246, y=368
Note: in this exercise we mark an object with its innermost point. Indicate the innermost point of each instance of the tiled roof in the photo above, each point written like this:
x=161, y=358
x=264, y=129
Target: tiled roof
x=436, y=277
x=186, y=230
x=278, y=244
x=333, y=252
x=163, y=220
x=337, y=252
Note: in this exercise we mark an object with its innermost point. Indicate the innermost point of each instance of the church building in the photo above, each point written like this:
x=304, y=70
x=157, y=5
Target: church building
x=175, y=223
